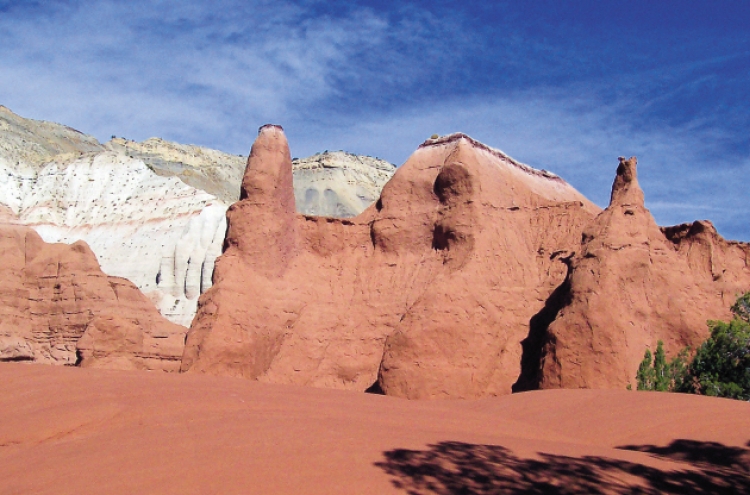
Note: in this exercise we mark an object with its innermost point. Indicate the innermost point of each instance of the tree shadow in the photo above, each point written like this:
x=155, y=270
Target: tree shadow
x=456, y=468
x=699, y=453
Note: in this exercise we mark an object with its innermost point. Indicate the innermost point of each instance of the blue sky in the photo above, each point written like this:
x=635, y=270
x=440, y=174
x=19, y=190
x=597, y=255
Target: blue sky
x=565, y=86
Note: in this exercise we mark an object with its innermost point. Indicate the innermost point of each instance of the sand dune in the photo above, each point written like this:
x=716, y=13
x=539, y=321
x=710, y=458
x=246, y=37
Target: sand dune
x=66, y=430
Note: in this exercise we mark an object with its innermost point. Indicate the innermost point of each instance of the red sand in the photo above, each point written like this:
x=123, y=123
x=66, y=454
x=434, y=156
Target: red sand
x=68, y=430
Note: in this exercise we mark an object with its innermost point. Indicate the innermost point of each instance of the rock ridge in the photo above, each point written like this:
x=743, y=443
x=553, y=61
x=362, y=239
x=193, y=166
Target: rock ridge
x=469, y=277
x=631, y=284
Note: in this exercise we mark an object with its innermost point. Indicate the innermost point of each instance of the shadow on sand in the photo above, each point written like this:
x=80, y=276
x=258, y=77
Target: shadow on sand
x=467, y=469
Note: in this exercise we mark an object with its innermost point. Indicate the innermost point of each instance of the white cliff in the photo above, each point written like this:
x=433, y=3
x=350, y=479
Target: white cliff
x=213, y=171
x=153, y=212
x=158, y=232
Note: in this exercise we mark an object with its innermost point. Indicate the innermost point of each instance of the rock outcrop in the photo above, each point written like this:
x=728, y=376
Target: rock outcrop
x=632, y=284
x=338, y=184
x=155, y=231
x=153, y=212
x=472, y=274
x=58, y=307
x=428, y=293
x=212, y=171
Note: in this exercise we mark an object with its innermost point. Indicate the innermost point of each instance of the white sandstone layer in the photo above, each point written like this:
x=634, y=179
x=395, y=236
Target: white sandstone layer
x=213, y=171
x=158, y=232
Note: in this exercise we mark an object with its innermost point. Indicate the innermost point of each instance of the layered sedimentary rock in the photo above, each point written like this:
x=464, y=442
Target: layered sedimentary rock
x=204, y=169
x=472, y=274
x=632, y=284
x=26, y=144
x=155, y=231
x=428, y=293
x=337, y=183
x=332, y=183
x=153, y=212
x=58, y=307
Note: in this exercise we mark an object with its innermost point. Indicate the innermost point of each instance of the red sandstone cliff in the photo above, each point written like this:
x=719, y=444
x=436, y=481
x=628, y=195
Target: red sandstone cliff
x=429, y=293
x=58, y=307
x=632, y=284
x=472, y=275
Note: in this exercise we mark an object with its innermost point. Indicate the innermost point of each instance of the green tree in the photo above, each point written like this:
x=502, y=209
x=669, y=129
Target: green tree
x=655, y=373
x=678, y=370
x=741, y=308
x=645, y=377
x=662, y=380
x=721, y=367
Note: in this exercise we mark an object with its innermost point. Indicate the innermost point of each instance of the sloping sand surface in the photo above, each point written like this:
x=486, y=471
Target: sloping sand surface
x=85, y=431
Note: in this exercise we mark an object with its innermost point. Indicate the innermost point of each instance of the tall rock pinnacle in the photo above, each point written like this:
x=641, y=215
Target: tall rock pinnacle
x=625, y=189
x=261, y=224
x=632, y=284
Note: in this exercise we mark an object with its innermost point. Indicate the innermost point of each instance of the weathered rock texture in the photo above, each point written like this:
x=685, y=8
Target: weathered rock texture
x=472, y=275
x=338, y=184
x=332, y=184
x=155, y=231
x=153, y=212
x=58, y=307
x=428, y=293
x=632, y=284
x=204, y=169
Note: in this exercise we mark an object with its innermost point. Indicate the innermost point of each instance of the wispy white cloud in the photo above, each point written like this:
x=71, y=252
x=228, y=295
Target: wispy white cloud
x=113, y=67
x=379, y=82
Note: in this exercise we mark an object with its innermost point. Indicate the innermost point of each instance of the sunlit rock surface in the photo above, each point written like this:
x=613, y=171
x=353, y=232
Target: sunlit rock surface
x=153, y=212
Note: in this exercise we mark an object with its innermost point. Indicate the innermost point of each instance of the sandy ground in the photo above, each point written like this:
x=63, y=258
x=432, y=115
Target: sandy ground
x=82, y=431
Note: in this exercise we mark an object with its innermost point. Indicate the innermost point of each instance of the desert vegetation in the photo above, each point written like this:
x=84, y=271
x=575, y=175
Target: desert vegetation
x=720, y=367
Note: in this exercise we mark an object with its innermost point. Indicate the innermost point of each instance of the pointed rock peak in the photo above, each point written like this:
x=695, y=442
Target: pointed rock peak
x=625, y=189
x=268, y=175
x=627, y=169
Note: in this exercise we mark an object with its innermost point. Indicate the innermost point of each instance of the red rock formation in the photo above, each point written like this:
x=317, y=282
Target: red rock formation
x=632, y=284
x=429, y=293
x=57, y=306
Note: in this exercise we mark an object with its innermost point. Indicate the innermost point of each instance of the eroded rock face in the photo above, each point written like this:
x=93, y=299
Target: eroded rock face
x=153, y=212
x=155, y=231
x=632, y=284
x=428, y=293
x=58, y=307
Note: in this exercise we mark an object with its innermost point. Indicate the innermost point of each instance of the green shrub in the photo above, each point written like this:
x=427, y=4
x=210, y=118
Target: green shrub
x=659, y=374
x=645, y=377
x=720, y=367
x=741, y=308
